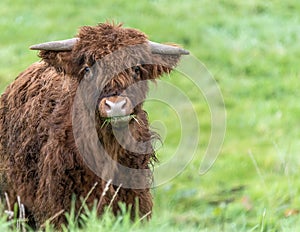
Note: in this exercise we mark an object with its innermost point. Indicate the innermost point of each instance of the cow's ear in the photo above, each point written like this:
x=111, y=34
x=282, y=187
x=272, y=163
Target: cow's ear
x=162, y=64
x=62, y=61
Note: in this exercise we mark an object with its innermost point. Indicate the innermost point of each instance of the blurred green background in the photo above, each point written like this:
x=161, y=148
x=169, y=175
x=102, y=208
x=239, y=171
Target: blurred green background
x=252, y=49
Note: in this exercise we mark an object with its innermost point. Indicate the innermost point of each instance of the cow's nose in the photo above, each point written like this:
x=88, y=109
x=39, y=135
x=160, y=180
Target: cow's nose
x=115, y=106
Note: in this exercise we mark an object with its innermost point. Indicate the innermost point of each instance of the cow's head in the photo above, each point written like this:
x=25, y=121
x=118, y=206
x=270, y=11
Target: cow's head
x=127, y=58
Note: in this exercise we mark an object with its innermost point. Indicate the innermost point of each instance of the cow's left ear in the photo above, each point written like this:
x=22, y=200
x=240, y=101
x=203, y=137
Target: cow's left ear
x=165, y=58
x=162, y=64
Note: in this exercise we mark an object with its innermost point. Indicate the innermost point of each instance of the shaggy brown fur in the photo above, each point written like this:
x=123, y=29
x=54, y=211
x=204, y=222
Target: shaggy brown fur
x=39, y=158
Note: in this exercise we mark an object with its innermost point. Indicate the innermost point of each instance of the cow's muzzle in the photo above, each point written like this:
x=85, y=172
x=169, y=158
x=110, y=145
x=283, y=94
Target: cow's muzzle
x=116, y=108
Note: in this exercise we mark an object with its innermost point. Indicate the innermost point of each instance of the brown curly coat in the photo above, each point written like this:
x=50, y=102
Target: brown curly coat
x=39, y=158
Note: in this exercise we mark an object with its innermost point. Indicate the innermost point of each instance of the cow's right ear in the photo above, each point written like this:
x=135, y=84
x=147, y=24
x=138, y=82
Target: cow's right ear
x=61, y=61
x=57, y=53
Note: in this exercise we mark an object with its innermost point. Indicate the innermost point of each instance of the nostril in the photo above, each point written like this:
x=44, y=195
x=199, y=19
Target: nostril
x=123, y=104
x=107, y=105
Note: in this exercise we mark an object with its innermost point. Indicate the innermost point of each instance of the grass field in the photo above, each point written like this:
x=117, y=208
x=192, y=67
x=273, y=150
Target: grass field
x=252, y=49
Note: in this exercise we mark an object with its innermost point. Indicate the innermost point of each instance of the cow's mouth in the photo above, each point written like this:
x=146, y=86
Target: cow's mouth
x=118, y=121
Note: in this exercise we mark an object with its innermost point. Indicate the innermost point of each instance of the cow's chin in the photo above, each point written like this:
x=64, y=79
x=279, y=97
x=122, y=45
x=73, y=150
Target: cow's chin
x=118, y=122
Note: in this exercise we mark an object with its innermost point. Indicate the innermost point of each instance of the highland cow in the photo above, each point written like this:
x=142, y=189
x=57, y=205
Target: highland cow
x=44, y=132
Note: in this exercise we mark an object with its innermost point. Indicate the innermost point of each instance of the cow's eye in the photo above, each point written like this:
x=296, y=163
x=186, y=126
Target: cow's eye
x=88, y=74
x=86, y=69
x=137, y=70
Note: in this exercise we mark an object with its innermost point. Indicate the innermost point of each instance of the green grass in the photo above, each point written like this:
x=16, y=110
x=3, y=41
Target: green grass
x=252, y=49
